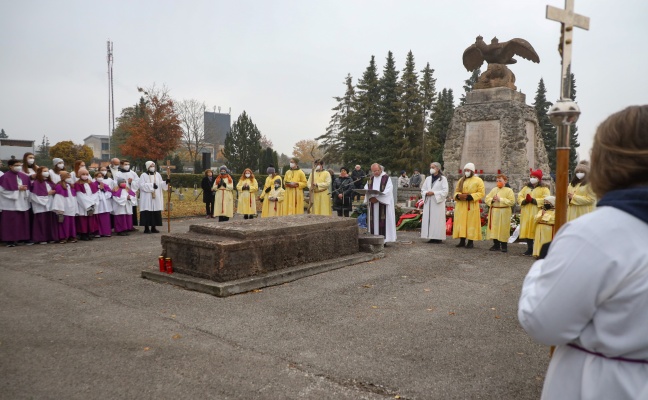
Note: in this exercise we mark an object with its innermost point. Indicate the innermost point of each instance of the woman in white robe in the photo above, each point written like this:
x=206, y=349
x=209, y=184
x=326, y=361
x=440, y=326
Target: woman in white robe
x=151, y=202
x=589, y=296
x=434, y=191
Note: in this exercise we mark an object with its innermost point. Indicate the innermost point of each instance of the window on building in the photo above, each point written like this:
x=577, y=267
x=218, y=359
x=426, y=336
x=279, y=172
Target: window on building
x=104, y=146
x=105, y=157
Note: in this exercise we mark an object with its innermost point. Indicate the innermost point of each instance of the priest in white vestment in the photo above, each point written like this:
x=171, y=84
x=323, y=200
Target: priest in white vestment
x=589, y=296
x=434, y=191
x=381, y=216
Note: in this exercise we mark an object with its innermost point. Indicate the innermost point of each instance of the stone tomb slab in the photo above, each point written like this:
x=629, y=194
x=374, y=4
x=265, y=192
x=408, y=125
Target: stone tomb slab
x=482, y=146
x=235, y=250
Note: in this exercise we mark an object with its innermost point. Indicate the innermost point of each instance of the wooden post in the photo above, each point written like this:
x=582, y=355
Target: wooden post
x=168, y=168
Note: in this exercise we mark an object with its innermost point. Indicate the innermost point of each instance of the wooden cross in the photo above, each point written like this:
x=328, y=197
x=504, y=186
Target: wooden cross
x=568, y=20
x=168, y=168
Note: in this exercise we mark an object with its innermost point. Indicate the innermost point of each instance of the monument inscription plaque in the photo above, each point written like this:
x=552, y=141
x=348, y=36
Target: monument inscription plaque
x=482, y=146
x=530, y=145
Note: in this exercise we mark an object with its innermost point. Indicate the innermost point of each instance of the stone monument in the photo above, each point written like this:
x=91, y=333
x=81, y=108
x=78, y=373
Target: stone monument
x=496, y=130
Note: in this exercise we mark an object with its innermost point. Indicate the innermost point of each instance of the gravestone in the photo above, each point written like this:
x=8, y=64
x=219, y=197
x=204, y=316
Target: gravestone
x=498, y=132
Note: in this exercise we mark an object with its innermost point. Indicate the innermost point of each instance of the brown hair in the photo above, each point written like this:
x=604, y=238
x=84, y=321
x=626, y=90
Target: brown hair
x=502, y=176
x=39, y=174
x=208, y=170
x=620, y=151
x=77, y=165
x=26, y=166
x=64, y=176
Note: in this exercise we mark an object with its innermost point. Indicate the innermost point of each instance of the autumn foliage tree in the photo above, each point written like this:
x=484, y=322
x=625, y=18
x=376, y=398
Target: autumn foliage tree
x=156, y=131
x=70, y=152
x=307, y=151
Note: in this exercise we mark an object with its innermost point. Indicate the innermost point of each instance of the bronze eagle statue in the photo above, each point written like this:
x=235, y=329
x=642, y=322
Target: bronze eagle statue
x=497, y=53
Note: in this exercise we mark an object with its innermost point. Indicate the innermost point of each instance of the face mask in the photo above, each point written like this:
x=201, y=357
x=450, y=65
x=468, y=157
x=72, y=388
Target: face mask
x=533, y=181
x=467, y=174
x=223, y=172
x=580, y=175
x=45, y=174
x=547, y=206
x=84, y=177
x=122, y=185
x=432, y=171
x=276, y=186
x=500, y=184
x=247, y=175
x=69, y=180
x=30, y=161
x=60, y=165
x=17, y=169
x=103, y=173
x=318, y=168
x=126, y=167
x=99, y=180
x=152, y=169
x=292, y=165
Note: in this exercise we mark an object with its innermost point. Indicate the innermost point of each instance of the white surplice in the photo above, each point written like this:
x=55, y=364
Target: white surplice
x=433, y=222
x=592, y=291
x=387, y=199
x=146, y=201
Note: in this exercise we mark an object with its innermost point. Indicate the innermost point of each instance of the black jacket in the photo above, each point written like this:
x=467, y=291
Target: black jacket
x=344, y=186
x=206, y=185
x=359, y=178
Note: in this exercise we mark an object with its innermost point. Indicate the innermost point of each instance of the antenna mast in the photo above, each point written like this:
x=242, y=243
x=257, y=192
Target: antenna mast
x=111, y=98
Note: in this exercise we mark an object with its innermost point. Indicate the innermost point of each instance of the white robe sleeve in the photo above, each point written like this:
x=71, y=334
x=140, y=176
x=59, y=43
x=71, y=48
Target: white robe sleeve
x=441, y=195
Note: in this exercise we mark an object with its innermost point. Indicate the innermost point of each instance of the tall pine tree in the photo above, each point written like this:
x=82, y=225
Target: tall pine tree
x=469, y=84
x=361, y=141
x=3, y=135
x=389, y=127
x=427, y=87
x=334, y=141
x=439, y=124
x=410, y=114
x=573, y=136
x=242, y=145
x=547, y=129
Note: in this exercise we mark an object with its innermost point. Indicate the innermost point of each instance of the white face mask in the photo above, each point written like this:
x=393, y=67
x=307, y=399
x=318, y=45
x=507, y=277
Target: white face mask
x=60, y=165
x=17, y=169
x=432, y=171
x=30, y=161
x=45, y=174
x=318, y=168
x=103, y=173
x=84, y=177
x=533, y=181
x=580, y=175
x=467, y=173
x=292, y=165
x=152, y=169
x=99, y=180
x=247, y=175
x=69, y=180
x=277, y=186
x=126, y=167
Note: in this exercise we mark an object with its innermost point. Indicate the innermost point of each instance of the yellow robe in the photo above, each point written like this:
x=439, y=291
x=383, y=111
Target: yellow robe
x=467, y=220
x=224, y=204
x=294, y=197
x=269, y=184
x=583, y=202
x=275, y=208
x=321, y=195
x=247, y=198
x=499, y=215
x=544, y=229
x=529, y=210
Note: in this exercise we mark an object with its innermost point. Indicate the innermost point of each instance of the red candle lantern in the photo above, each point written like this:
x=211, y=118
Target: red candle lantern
x=459, y=171
x=481, y=171
x=162, y=264
x=499, y=171
x=169, y=266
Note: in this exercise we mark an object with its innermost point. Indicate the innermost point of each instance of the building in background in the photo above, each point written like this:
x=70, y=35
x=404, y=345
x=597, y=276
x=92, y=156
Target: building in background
x=100, y=145
x=217, y=126
x=15, y=148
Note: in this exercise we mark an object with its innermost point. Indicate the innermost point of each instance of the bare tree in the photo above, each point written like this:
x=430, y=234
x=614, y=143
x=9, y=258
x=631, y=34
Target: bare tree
x=192, y=120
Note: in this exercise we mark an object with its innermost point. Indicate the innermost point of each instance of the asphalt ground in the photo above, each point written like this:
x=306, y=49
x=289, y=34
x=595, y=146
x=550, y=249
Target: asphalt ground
x=429, y=321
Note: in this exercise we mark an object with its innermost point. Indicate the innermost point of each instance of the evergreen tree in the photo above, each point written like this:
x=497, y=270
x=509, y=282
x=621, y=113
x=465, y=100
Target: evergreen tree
x=365, y=124
x=42, y=157
x=428, y=100
x=334, y=142
x=266, y=159
x=242, y=145
x=573, y=130
x=410, y=114
x=439, y=124
x=389, y=128
x=469, y=84
x=3, y=135
x=547, y=129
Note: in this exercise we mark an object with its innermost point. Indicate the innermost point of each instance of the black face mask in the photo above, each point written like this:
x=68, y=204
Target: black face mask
x=547, y=206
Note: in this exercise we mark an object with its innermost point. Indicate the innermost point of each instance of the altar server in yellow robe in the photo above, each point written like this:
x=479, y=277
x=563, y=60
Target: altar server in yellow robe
x=267, y=188
x=582, y=199
x=224, y=188
x=467, y=219
x=500, y=200
x=295, y=182
x=275, y=199
x=247, y=188
x=545, y=220
x=531, y=199
x=319, y=189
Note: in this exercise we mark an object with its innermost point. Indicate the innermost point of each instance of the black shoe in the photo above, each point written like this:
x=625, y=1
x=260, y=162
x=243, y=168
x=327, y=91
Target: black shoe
x=469, y=245
x=153, y=230
x=528, y=253
x=435, y=241
x=504, y=248
x=146, y=230
x=84, y=237
x=462, y=243
x=122, y=234
x=495, y=247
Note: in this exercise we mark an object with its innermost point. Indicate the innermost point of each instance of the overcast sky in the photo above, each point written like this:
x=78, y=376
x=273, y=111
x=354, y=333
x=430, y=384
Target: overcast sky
x=282, y=61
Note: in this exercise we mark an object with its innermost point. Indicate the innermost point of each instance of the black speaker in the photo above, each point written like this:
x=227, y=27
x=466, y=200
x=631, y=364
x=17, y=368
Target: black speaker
x=206, y=161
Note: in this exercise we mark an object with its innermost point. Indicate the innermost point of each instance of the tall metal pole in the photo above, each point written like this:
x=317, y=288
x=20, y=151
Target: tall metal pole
x=111, y=98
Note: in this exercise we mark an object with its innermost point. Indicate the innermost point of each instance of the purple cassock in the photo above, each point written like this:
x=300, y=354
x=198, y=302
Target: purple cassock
x=67, y=228
x=45, y=222
x=15, y=207
x=86, y=223
x=123, y=222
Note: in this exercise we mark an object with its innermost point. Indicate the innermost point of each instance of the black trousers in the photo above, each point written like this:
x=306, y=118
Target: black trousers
x=209, y=207
x=340, y=212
